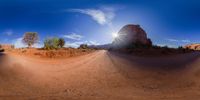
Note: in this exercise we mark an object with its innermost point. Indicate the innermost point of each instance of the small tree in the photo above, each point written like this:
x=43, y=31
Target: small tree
x=30, y=38
x=61, y=42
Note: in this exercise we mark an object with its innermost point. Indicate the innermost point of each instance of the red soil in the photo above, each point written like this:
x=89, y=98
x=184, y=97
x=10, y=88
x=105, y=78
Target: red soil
x=100, y=75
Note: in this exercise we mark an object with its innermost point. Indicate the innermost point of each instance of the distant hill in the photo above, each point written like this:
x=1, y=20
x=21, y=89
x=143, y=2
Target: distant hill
x=195, y=46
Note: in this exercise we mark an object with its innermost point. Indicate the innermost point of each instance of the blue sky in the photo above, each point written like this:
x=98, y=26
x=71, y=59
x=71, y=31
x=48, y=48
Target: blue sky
x=170, y=22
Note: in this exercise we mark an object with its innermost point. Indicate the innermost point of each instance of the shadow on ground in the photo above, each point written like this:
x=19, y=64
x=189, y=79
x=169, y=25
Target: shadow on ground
x=165, y=63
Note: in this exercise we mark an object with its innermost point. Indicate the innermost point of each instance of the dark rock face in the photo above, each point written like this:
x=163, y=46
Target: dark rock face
x=131, y=34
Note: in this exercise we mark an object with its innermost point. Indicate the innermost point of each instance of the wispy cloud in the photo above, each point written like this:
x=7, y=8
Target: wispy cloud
x=8, y=32
x=186, y=41
x=101, y=16
x=77, y=44
x=176, y=40
x=73, y=36
x=172, y=40
x=93, y=43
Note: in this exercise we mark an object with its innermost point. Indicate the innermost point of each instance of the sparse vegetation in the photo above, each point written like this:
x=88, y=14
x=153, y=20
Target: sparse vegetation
x=51, y=43
x=54, y=43
x=145, y=50
x=83, y=46
x=30, y=38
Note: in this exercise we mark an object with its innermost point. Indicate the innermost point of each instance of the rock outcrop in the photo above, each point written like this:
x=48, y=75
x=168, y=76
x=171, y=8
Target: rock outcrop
x=193, y=46
x=131, y=34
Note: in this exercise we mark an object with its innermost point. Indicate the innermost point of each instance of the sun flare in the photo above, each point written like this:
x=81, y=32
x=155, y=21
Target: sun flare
x=115, y=35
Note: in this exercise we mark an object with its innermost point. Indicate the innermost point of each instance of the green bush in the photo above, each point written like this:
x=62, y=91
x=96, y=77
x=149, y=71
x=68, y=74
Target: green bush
x=54, y=43
x=51, y=43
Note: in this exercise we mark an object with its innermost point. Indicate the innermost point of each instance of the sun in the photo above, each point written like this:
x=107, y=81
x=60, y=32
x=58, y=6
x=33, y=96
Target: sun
x=115, y=35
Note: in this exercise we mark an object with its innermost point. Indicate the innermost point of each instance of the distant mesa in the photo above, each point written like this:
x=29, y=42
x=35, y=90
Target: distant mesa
x=131, y=34
x=193, y=46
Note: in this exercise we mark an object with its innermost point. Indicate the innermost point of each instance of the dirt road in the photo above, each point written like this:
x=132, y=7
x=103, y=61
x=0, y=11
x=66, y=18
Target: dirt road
x=100, y=76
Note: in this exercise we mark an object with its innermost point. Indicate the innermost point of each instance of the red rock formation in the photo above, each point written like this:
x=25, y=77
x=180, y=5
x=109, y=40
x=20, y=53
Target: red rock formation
x=132, y=34
x=193, y=46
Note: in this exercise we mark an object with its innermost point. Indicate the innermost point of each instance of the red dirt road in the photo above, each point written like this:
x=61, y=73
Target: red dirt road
x=99, y=76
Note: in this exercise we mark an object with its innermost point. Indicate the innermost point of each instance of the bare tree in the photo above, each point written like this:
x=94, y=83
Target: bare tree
x=30, y=38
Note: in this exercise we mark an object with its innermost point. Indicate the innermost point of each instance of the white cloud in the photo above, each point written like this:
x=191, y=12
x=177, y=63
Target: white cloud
x=38, y=45
x=18, y=43
x=176, y=40
x=102, y=17
x=73, y=36
x=172, y=40
x=186, y=41
x=77, y=44
x=73, y=44
x=168, y=45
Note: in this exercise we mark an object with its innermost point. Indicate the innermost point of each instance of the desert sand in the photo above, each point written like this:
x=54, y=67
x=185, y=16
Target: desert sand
x=100, y=75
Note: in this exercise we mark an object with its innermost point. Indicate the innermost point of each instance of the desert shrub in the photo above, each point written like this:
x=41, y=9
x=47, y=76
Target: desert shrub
x=83, y=46
x=166, y=48
x=156, y=47
x=187, y=49
x=30, y=38
x=51, y=43
x=2, y=50
x=180, y=48
x=61, y=42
